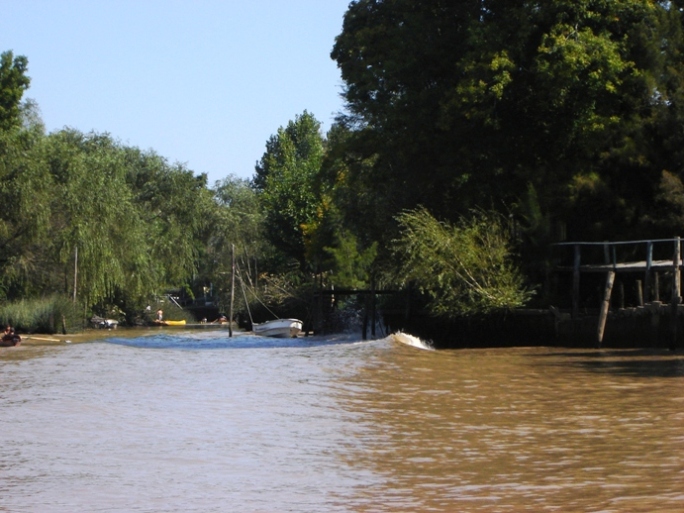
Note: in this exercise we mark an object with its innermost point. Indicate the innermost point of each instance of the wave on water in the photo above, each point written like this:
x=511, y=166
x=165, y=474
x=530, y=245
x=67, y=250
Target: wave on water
x=219, y=340
x=410, y=340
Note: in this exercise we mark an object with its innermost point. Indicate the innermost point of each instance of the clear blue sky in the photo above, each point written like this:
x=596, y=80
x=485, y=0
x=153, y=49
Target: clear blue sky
x=202, y=82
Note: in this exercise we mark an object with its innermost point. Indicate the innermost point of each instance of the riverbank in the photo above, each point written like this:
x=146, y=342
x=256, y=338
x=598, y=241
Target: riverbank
x=650, y=327
x=89, y=335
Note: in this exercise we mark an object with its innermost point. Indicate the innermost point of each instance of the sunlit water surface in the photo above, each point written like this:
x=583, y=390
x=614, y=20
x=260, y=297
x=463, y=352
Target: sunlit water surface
x=198, y=422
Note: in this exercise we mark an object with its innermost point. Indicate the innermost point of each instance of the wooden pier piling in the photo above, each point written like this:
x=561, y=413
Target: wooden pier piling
x=605, y=306
x=648, y=290
x=676, y=293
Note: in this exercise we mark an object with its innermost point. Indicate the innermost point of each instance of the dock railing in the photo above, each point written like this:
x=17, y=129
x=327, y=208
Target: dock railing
x=637, y=256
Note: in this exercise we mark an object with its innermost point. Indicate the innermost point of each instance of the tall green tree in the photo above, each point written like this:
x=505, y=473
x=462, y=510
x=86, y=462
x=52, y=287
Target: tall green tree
x=240, y=219
x=237, y=232
x=463, y=104
x=26, y=192
x=286, y=179
x=345, y=237
x=96, y=227
x=13, y=83
x=93, y=218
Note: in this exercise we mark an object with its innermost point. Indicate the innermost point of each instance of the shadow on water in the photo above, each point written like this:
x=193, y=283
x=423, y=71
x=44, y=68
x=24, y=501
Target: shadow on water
x=200, y=341
x=647, y=363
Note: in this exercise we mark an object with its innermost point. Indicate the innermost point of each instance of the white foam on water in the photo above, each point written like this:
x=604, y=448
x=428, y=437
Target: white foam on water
x=410, y=340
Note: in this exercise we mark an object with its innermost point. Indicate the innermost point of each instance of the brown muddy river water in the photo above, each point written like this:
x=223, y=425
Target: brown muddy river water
x=181, y=421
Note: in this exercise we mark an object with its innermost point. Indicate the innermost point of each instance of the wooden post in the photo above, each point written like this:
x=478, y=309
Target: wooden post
x=364, y=327
x=656, y=286
x=676, y=292
x=373, y=312
x=605, y=306
x=310, y=325
x=647, y=274
x=676, y=275
x=576, y=282
x=640, y=293
x=320, y=314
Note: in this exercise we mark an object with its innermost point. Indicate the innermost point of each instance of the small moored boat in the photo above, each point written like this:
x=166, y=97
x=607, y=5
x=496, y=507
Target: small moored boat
x=279, y=328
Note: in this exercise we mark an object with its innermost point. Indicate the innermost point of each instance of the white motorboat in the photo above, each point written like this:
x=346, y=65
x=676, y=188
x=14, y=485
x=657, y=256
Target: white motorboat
x=279, y=328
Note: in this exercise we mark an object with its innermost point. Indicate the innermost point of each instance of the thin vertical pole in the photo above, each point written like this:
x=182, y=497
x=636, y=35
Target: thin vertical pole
x=364, y=327
x=576, y=282
x=647, y=274
x=75, y=272
x=373, y=308
x=232, y=289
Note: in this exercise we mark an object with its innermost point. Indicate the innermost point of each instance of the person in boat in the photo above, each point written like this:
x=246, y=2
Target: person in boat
x=160, y=316
x=9, y=337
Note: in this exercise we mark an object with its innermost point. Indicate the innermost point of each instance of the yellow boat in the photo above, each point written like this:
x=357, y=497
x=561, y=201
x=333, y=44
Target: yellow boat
x=173, y=323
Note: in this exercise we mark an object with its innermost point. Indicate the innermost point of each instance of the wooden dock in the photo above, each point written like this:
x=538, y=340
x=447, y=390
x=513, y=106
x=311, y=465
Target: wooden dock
x=650, y=266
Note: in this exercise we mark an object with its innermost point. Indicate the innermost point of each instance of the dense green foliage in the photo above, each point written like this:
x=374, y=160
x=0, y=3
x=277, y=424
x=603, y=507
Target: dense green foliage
x=13, y=83
x=238, y=232
x=474, y=103
x=285, y=178
x=465, y=268
x=565, y=117
x=84, y=217
x=93, y=219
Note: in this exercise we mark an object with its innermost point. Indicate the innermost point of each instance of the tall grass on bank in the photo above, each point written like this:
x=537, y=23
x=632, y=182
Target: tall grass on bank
x=55, y=314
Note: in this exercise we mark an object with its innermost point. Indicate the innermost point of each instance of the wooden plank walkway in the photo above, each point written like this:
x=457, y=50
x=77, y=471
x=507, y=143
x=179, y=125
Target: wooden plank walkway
x=610, y=266
x=642, y=266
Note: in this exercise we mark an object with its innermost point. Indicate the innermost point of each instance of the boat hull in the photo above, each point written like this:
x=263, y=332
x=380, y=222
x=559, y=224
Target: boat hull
x=170, y=323
x=279, y=328
x=10, y=341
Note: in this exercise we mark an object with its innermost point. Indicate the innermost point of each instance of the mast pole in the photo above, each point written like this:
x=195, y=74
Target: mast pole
x=75, y=271
x=232, y=289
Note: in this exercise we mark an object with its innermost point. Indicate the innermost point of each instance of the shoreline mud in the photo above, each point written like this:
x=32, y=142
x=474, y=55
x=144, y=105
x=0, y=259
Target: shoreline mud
x=89, y=335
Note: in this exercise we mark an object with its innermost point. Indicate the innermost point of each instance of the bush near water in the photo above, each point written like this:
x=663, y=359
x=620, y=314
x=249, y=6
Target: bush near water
x=56, y=314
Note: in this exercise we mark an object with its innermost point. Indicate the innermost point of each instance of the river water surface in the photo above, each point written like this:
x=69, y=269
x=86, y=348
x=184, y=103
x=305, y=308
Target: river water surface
x=181, y=421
